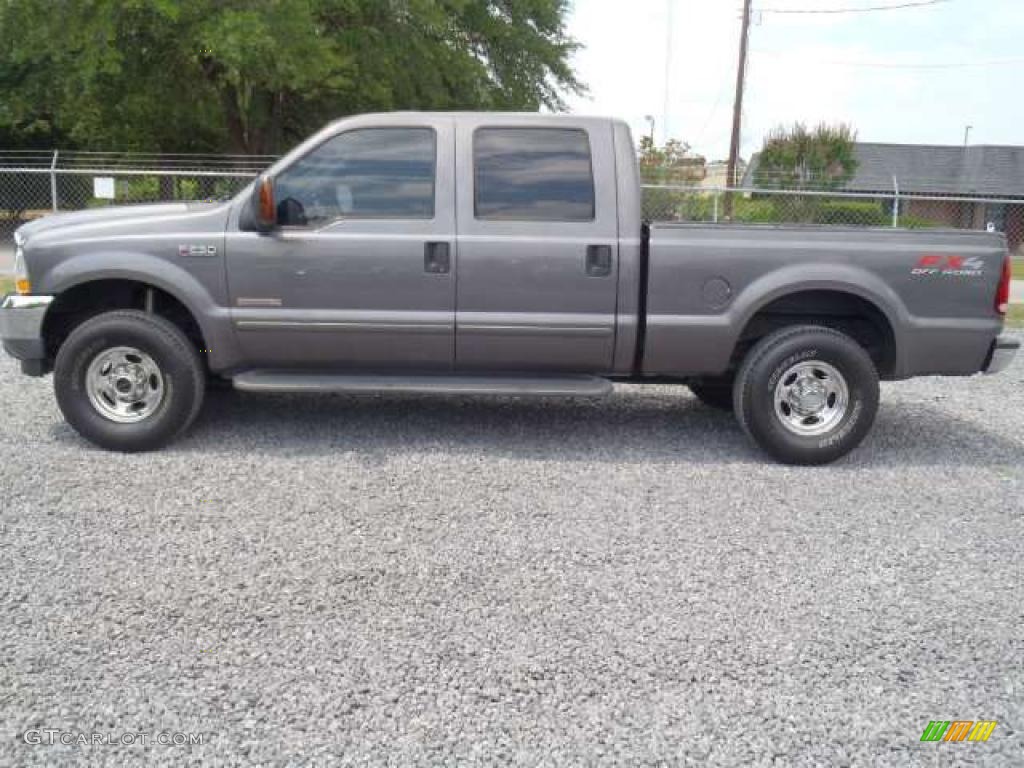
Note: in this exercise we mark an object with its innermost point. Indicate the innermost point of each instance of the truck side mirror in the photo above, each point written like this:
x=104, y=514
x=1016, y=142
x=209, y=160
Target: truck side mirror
x=260, y=213
x=263, y=204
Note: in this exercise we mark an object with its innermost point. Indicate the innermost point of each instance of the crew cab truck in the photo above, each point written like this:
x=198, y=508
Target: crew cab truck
x=489, y=253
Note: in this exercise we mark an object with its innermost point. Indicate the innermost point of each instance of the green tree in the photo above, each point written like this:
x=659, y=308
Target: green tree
x=233, y=75
x=799, y=158
x=670, y=164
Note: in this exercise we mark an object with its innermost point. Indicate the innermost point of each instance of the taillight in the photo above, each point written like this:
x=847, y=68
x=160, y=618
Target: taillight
x=1003, y=292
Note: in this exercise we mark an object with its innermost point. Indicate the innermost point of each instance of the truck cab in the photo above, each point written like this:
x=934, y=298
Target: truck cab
x=439, y=243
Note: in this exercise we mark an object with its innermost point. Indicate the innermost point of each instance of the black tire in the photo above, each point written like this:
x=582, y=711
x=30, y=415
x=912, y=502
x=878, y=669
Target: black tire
x=754, y=395
x=179, y=364
x=717, y=396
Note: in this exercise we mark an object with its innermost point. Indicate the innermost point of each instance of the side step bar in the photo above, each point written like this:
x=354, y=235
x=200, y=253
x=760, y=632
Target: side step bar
x=316, y=381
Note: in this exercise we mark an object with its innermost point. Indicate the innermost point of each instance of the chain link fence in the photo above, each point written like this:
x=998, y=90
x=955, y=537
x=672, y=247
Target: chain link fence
x=662, y=203
x=37, y=183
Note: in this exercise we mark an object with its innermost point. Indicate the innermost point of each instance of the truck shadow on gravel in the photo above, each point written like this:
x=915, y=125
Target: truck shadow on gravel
x=630, y=427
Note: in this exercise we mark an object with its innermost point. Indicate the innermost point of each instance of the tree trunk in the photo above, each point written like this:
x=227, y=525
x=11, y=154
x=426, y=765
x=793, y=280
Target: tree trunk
x=237, y=133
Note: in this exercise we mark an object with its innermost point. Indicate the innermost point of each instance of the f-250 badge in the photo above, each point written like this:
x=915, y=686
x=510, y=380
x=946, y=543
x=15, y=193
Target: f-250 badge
x=197, y=250
x=953, y=266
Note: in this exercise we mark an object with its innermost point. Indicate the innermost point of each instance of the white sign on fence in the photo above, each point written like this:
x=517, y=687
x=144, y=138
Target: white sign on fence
x=103, y=187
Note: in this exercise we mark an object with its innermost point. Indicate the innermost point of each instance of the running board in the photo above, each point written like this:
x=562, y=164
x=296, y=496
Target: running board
x=313, y=381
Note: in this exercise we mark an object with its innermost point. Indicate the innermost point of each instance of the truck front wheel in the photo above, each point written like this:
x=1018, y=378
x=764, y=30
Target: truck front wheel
x=129, y=381
x=807, y=394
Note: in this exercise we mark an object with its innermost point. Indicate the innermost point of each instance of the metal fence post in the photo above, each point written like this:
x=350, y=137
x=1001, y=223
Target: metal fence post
x=896, y=203
x=715, y=214
x=53, y=180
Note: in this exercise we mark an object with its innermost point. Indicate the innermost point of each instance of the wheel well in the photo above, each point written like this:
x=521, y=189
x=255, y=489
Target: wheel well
x=856, y=317
x=77, y=304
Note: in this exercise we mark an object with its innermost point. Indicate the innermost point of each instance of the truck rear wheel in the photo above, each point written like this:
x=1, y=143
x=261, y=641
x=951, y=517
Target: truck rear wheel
x=129, y=381
x=807, y=394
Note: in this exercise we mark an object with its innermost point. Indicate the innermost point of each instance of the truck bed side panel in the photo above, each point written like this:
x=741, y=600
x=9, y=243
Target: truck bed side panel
x=935, y=287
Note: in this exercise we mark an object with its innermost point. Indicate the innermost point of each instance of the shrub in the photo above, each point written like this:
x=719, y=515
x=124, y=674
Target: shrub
x=854, y=213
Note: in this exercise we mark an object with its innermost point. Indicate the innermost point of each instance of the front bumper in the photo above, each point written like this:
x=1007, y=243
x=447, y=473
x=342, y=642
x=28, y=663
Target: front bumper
x=21, y=330
x=1004, y=349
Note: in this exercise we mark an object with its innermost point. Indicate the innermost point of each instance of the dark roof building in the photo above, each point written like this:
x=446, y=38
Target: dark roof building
x=973, y=187
x=931, y=169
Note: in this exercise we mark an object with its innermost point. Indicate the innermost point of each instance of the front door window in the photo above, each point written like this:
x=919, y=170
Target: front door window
x=372, y=173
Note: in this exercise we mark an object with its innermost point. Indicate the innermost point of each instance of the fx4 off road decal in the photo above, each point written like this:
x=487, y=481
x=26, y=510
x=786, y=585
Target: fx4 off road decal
x=952, y=266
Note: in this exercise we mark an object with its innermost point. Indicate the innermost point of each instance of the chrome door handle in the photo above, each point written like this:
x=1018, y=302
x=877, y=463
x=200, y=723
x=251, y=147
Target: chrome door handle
x=437, y=258
x=599, y=260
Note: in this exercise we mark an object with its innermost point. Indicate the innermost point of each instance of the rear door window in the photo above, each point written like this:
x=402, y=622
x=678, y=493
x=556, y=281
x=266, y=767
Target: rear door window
x=533, y=174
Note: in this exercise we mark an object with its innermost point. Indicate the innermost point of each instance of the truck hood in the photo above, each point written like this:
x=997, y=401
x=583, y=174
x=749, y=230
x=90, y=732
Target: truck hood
x=77, y=222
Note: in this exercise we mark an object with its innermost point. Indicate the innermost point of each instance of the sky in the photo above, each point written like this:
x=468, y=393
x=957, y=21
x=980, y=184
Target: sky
x=916, y=75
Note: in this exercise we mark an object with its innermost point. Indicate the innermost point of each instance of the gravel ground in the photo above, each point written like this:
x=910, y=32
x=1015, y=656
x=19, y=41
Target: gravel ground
x=456, y=581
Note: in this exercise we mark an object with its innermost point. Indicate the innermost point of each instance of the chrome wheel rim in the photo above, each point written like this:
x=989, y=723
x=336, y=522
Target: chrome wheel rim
x=124, y=384
x=811, y=398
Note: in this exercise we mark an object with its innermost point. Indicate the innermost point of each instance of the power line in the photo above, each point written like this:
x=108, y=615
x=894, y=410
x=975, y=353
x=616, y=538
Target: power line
x=714, y=110
x=863, y=9
x=668, y=70
x=934, y=65
x=895, y=64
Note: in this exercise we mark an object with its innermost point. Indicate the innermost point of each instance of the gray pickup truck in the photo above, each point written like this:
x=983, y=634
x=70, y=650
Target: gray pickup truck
x=489, y=254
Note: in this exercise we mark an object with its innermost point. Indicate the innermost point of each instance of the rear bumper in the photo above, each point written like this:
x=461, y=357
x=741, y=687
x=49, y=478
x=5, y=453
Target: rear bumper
x=1004, y=350
x=21, y=330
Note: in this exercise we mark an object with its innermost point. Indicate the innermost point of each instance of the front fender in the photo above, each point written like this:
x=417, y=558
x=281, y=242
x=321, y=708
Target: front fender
x=211, y=315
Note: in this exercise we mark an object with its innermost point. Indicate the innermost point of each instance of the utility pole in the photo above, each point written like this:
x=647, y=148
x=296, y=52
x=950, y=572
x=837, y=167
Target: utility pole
x=737, y=110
